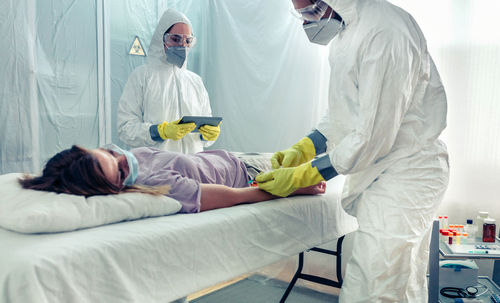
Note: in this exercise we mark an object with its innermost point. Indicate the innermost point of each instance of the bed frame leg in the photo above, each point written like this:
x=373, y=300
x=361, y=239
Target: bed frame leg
x=317, y=279
x=294, y=279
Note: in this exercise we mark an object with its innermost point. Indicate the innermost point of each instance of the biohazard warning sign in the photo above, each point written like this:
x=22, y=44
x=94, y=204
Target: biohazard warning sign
x=137, y=48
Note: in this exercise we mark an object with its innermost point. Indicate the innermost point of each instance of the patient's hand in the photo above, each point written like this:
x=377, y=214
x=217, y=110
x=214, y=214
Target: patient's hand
x=317, y=189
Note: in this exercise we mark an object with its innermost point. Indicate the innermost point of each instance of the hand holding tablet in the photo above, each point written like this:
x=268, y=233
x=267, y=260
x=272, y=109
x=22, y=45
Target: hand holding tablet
x=200, y=121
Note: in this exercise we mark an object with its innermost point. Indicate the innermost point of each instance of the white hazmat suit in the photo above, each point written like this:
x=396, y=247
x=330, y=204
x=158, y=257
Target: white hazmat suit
x=160, y=91
x=387, y=107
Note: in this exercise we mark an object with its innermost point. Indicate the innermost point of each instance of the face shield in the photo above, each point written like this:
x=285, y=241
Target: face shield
x=312, y=12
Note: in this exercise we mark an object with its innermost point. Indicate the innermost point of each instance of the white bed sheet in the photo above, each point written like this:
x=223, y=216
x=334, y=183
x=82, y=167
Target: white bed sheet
x=164, y=258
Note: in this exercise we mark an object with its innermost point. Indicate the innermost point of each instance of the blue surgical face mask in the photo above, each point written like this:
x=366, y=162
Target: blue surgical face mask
x=322, y=31
x=177, y=55
x=133, y=165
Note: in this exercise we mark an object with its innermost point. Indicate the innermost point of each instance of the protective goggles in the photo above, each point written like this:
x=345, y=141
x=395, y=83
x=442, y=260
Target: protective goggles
x=179, y=40
x=312, y=12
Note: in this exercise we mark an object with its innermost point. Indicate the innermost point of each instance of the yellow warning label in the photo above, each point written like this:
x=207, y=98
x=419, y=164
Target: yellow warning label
x=137, y=48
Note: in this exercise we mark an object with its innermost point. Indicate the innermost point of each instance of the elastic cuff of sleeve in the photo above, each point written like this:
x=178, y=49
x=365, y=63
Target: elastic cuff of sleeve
x=318, y=140
x=153, y=132
x=201, y=138
x=325, y=167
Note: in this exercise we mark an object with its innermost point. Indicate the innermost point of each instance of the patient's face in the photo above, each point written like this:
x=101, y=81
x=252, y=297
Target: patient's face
x=114, y=166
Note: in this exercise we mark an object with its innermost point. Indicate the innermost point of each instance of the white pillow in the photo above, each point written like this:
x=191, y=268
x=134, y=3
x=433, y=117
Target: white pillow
x=33, y=211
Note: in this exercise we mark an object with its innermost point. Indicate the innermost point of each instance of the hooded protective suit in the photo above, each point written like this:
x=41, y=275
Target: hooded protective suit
x=387, y=107
x=159, y=91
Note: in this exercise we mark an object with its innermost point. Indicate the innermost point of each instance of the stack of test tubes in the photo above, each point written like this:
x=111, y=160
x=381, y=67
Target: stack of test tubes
x=452, y=233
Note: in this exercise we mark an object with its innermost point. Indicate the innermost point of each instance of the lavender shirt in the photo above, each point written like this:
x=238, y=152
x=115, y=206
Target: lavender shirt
x=185, y=173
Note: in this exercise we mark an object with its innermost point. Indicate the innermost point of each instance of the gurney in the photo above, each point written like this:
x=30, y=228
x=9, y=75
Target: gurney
x=161, y=259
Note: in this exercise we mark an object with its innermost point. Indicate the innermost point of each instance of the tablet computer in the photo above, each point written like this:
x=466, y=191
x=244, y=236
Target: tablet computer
x=201, y=120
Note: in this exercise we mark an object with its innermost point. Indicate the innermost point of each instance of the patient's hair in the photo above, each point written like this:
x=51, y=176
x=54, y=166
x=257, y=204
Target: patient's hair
x=76, y=171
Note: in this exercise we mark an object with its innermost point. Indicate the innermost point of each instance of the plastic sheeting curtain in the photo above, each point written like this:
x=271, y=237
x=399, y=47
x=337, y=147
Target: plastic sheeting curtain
x=67, y=62
x=19, y=106
x=263, y=76
x=51, y=90
x=464, y=40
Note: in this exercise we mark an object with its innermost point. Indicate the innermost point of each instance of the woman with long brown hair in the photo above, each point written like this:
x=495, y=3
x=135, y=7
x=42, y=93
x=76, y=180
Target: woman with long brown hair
x=202, y=181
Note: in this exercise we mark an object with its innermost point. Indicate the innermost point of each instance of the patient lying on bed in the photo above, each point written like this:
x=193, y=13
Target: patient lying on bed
x=202, y=181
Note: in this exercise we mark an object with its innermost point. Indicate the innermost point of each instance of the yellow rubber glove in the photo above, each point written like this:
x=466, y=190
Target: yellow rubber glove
x=301, y=152
x=173, y=130
x=284, y=181
x=210, y=132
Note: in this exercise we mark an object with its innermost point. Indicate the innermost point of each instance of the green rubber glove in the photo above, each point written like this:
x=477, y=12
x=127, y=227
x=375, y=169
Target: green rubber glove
x=173, y=130
x=210, y=132
x=301, y=152
x=284, y=181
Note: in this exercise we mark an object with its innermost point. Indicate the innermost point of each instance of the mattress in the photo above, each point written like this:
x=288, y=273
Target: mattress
x=164, y=258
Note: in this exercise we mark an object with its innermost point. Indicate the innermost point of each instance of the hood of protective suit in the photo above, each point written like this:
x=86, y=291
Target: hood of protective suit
x=345, y=8
x=156, y=51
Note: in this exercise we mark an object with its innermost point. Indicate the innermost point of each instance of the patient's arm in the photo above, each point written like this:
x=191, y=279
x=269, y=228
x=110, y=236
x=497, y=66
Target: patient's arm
x=218, y=196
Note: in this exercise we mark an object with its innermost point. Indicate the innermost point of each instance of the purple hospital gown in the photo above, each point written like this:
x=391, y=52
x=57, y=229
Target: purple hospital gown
x=185, y=173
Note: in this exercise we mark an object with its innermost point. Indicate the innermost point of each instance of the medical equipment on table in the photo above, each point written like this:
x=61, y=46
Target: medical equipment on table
x=458, y=292
x=457, y=273
x=488, y=246
x=459, y=234
x=478, y=251
x=489, y=230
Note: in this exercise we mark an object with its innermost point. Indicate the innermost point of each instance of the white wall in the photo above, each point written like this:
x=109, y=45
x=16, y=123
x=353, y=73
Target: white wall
x=464, y=40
